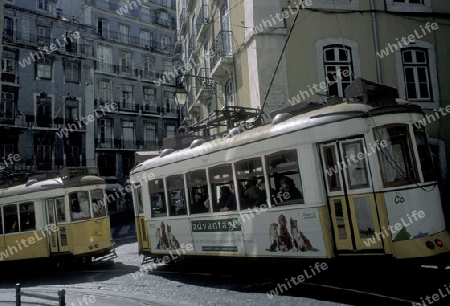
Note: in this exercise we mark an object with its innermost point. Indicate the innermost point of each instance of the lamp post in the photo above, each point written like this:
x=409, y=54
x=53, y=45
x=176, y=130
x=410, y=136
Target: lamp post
x=181, y=98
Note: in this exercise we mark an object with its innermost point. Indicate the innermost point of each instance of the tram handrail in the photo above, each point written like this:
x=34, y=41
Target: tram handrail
x=61, y=299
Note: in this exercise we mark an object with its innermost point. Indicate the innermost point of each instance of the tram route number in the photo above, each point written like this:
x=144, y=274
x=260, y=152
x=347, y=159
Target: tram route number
x=399, y=200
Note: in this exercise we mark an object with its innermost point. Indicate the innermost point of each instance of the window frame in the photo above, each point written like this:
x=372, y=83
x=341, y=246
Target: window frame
x=44, y=66
x=66, y=69
x=434, y=103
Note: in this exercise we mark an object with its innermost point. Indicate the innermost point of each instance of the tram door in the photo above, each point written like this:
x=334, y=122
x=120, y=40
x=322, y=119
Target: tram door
x=351, y=200
x=55, y=213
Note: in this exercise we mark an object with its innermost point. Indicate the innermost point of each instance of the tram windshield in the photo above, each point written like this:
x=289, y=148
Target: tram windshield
x=396, y=159
x=98, y=203
x=79, y=205
x=426, y=161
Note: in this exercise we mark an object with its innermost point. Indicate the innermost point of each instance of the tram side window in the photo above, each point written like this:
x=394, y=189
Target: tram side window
x=79, y=205
x=175, y=194
x=251, y=186
x=223, y=196
x=11, y=219
x=330, y=158
x=27, y=217
x=60, y=210
x=198, y=192
x=426, y=161
x=284, y=178
x=157, y=198
x=98, y=204
x=395, y=158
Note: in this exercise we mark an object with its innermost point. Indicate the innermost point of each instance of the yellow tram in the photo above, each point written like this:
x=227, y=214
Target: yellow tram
x=349, y=179
x=65, y=217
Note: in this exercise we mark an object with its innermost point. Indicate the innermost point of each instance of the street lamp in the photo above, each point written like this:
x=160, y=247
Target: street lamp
x=181, y=96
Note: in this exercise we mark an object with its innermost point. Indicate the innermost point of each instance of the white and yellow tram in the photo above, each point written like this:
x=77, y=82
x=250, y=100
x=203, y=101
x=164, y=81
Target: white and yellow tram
x=59, y=218
x=347, y=179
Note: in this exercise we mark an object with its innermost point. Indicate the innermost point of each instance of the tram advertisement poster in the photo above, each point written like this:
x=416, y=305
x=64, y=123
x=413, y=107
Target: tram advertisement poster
x=222, y=235
x=290, y=233
x=168, y=235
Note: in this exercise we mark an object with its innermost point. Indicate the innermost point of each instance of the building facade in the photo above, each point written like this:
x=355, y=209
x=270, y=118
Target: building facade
x=41, y=87
x=87, y=83
x=222, y=63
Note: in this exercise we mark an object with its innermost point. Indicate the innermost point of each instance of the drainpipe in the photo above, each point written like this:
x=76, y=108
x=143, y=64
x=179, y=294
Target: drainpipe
x=375, y=38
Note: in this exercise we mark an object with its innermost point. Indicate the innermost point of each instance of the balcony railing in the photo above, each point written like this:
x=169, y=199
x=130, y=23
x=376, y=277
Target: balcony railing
x=150, y=109
x=128, y=106
x=168, y=23
x=104, y=143
x=135, y=41
x=222, y=46
x=150, y=145
x=128, y=144
x=202, y=18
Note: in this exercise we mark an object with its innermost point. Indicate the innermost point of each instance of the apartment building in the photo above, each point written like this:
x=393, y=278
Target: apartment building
x=87, y=83
x=221, y=63
x=42, y=88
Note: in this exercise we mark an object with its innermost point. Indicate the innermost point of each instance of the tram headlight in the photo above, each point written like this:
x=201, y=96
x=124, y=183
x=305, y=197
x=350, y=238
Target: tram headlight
x=439, y=243
x=429, y=245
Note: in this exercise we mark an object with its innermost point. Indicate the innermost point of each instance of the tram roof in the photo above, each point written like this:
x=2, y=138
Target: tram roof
x=329, y=114
x=51, y=184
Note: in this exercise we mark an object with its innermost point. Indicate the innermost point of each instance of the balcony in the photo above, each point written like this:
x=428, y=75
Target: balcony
x=223, y=54
x=149, y=75
x=204, y=85
x=168, y=23
x=150, y=145
x=150, y=108
x=104, y=105
x=128, y=71
x=128, y=107
x=182, y=20
x=10, y=77
x=104, y=143
x=202, y=22
x=105, y=67
x=193, y=50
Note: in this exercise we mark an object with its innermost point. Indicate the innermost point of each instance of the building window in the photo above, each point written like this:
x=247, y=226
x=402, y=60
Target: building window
x=102, y=28
x=104, y=59
x=7, y=106
x=9, y=67
x=106, y=134
x=149, y=67
x=146, y=39
x=126, y=66
x=149, y=100
x=337, y=64
x=43, y=36
x=71, y=110
x=170, y=102
x=150, y=140
x=127, y=97
x=44, y=157
x=105, y=91
x=337, y=60
x=8, y=28
x=72, y=72
x=44, y=68
x=170, y=131
x=417, y=75
x=128, y=135
x=43, y=110
x=43, y=5
x=71, y=46
x=408, y=5
x=165, y=42
x=124, y=34
x=229, y=97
